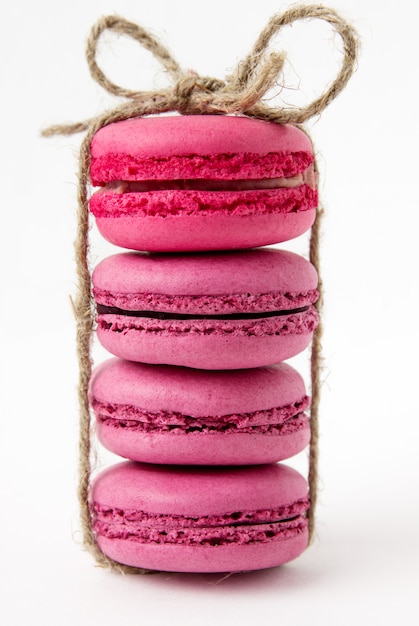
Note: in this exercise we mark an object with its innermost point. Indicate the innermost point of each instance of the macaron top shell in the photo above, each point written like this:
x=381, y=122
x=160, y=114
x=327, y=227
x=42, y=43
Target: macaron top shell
x=246, y=274
x=197, y=491
x=195, y=392
x=197, y=146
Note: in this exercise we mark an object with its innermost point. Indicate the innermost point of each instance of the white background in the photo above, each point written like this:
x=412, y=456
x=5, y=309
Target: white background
x=362, y=567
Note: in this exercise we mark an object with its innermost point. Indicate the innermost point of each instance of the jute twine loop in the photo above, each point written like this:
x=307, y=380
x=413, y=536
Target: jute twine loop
x=241, y=93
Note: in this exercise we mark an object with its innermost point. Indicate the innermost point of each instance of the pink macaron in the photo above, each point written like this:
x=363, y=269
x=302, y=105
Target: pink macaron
x=201, y=182
x=175, y=415
x=172, y=518
x=225, y=310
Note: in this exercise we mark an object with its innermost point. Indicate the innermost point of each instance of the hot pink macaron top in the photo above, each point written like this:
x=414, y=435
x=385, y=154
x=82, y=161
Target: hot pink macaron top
x=197, y=146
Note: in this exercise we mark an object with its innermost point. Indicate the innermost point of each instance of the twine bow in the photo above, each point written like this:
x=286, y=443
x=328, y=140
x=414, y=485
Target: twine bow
x=241, y=92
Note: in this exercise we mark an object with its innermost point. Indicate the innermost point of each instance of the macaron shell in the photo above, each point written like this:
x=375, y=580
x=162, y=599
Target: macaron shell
x=206, y=346
x=203, y=449
x=164, y=138
x=195, y=393
x=248, y=271
x=204, y=559
x=197, y=233
x=197, y=491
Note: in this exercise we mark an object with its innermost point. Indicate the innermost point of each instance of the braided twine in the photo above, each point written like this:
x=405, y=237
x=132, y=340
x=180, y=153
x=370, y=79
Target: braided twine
x=241, y=93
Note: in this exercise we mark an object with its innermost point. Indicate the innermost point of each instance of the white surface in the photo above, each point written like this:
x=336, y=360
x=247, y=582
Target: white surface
x=362, y=567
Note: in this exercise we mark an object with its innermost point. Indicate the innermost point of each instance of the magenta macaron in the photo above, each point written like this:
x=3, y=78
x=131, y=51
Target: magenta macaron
x=226, y=310
x=201, y=182
x=172, y=518
x=175, y=415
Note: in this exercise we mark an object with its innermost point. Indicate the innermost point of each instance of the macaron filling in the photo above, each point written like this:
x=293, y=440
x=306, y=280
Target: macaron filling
x=302, y=323
x=161, y=315
x=275, y=421
x=307, y=177
x=237, y=527
x=204, y=196
x=267, y=313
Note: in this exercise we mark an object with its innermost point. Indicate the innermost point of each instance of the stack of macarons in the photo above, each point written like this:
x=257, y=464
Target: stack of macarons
x=200, y=315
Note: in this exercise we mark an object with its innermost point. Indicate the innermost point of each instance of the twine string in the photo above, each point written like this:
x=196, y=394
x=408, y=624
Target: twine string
x=240, y=93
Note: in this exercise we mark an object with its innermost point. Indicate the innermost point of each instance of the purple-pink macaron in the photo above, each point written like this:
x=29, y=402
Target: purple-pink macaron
x=225, y=310
x=175, y=415
x=201, y=182
x=200, y=519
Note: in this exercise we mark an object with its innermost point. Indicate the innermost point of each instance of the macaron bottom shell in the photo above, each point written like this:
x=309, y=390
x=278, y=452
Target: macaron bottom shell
x=203, y=232
x=204, y=559
x=211, y=348
x=203, y=449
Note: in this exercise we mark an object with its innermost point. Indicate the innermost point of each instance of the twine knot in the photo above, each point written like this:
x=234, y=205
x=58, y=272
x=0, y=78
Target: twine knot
x=192, y=84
